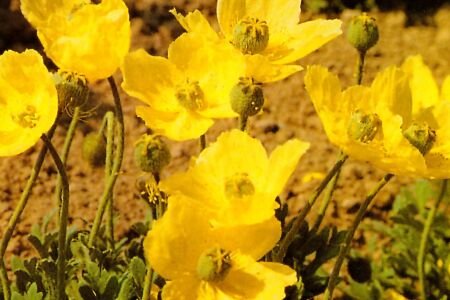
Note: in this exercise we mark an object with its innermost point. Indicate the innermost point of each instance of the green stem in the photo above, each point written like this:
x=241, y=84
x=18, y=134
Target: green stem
x=109, y=116
x=328, y=195
x=202, y=142
x=63, y=221
x=243, y=122
x=65, y=151
x=360, y=67
x=290, y=235
x=18, y=212
x=118, y=157
x=424, y=241
x=148, y=283
x=351, y=232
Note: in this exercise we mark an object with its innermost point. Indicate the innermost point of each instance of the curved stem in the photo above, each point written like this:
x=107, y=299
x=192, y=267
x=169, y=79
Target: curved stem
x=18, y=212
x=424, y=241
x=65, y=151
x=326, y=200
x=64, y=214
x=351, y=232
x=290, y=235
x=360, y=67
x=109, y=116
x=148, y=283
x=118, y=157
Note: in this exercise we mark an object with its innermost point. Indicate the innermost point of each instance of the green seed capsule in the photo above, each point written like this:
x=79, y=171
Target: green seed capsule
x=251, y=35
x=363, y=127
x=247, y=97
x=151, y=154
x=94, y=149
x=362, y=32
x=420, y=136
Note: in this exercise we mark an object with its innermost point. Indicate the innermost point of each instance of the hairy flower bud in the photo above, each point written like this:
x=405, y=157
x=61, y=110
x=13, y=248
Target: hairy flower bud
x=251, y=35
x=213, y=264
x=151, y=154
x=73, y=90
x=363, y=127
x=247, y=97
x=420, y=136
x=362, y=32
x=94, y=149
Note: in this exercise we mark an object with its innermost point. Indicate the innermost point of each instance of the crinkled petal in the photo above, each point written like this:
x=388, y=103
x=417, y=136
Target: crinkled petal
x=38, y=12
x=178, y=126
x=282, y=163
x=176, y=241
x=302, y=40
x=92, y=40
x=25, y=86
x=424, y=89
x=191, y=288
x=262, y=70
x=229, y=12
x=249, y=279
x=151, y=79
x=196, y=22
x=445, y=90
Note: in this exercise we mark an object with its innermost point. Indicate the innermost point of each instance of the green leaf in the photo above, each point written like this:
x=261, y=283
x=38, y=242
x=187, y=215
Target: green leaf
x=138, y=270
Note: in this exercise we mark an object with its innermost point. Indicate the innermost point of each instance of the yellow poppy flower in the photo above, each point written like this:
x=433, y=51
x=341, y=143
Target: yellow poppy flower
x=188, y=90
x=235, y=175
x=266, y=28
x=200, y=264
x=397, y=123
x=80, y=36
x=28, y=101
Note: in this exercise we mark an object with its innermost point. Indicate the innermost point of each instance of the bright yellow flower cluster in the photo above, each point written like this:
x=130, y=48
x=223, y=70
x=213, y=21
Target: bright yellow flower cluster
x=28, y=101
x=399, y=124
x=80, y=36
x=192, y=87
x=220, y=221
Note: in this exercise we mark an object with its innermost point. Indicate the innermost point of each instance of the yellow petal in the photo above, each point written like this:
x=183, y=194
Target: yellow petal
x=254, y=240
x=262, y=70
x=151, y=79
x=190, y=288
x=196, y=22
x=28, y=101
x=92, y=40
x=229, y=12
x=303, y=39
x=179, y=126
x=424, y=89
x=445, y=91
x=172, y=252
x=249, y=279
x=280, y=15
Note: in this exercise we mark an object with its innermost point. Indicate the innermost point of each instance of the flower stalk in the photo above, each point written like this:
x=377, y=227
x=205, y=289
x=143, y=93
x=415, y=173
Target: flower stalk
x=351, y=232
x=63, y=221
x=109, y=119
x=118, y=157
x=290, y=235
x=424, y=241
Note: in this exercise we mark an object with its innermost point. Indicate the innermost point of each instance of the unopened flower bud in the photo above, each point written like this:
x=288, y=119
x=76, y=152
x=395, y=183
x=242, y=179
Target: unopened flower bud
x=362, y=32
x=247, y=97
x=151, y=153
x=73, y=90
x=363, y=127
x=420, y=136
x=251, y=35
x=213, y=264
x=94, y=149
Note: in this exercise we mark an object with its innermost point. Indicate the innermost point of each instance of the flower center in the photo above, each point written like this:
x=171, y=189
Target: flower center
x=213, y=264
x=27, y=118
x=239, y=186
x=251, y=35
x=421, y=136
x=363, y=127
x=190, y=95
x=247, y=97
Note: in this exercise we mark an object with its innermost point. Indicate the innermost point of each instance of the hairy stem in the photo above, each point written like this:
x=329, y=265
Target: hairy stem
x=148, y=283
x=290, y=235
x=351, y=232
x=15, y=217
x=118, y=157
x=202, y=142
x=243, y=122
x=360, y=67
x=63, y=219
x=424, y=241
x=109, y=116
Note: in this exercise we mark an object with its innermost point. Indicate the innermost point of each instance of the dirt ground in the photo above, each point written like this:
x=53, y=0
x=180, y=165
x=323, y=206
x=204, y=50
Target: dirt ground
x=288, y=113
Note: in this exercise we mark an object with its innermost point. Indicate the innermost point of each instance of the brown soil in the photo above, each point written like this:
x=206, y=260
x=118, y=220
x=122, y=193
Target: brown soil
x=288, y=114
